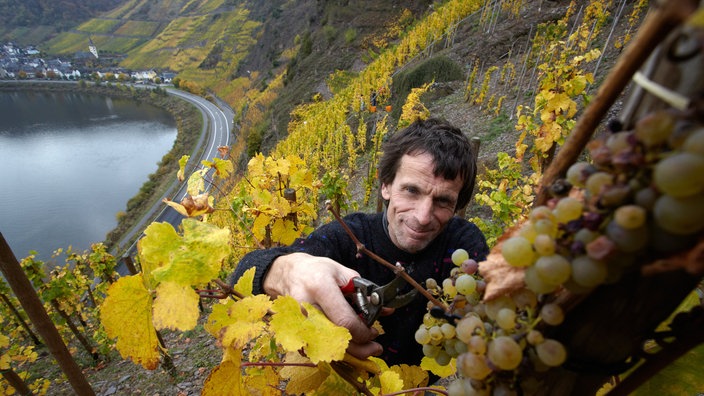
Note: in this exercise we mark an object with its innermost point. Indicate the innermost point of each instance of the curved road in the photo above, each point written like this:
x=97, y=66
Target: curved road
x=217, y=131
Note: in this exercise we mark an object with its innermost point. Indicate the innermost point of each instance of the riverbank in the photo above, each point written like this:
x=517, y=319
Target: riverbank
x=189, y=123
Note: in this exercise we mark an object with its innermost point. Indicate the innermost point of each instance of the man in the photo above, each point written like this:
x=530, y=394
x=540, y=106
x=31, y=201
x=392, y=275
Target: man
x=427, y=174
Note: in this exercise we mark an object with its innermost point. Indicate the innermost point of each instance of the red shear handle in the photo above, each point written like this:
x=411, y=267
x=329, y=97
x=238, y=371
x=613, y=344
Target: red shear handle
x=348, y=288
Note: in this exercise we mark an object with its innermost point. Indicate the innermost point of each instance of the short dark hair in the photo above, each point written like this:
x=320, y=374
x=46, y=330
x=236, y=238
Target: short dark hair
x=451, y=151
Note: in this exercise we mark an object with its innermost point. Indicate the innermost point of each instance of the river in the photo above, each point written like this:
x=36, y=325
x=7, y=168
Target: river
x=69, y=162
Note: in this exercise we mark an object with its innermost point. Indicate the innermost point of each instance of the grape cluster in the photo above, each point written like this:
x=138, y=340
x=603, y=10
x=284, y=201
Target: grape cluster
x=487, y=339
x=641, y=197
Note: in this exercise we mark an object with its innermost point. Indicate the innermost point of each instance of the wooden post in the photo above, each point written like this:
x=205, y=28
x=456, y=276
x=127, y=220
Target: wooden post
x=32, y=305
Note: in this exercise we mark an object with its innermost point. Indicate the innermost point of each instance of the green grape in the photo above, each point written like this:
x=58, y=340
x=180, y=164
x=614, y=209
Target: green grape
x=546, y=227
x=448, y=331
x=552, y=314
x=466, y=284
x=505, y=353
x=551, y=352
x=506, y=318
x=528, y=232
x=492, y=307
x=544, y=245
x=578, y=173
x=588, y=272
x=435, y=335
x=518, y=251
x=449, y=347
x=476, y=344
x=615, y=194
x=680, y=175
x=568, y=209
x=541, y=212
x=449, y=288
x=524, y=298
x=459, y=256
x=443, y=358
x=627, y=240
x=462, y=387
x=585, y=235
x=466, y=327
x=646, y=198
x=654, y=128
x=630, y=216
x=537, y=285
x=695, y=142
x=680, y=216
x=430, y=350
x=473, y=366
x=618, y=142
x=534, y=337
x=553, y=269
x=431, y=284
x=597, y=182
x=460, y=346
x=422, y=335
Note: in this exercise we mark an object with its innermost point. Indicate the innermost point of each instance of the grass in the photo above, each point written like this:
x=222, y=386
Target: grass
x=138, y=28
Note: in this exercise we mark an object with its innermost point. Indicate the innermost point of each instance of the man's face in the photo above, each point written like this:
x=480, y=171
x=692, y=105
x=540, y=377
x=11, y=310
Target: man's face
x=420, y=204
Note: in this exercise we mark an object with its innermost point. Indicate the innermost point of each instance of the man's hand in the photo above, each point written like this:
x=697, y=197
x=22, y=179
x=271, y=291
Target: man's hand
x=317, y=280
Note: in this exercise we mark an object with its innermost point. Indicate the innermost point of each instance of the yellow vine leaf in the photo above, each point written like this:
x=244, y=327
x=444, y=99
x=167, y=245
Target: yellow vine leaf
x=223, y=168
x=390, y=382
x=412, y=376
x=280, y=166
x=322, y=340
x=301, y=379
x=255, y=166
x=181, y=174
x=192, y=259
x=175, y=307
x=235, y=323
x=261, y=381
x=431, y=365
x=193, y=206
x=196, y=182
x=259, y=226
x=128, y=301
x=333, y=385
x=155, y=248
x=225, y=380
x=284, y=232
x=245, y=284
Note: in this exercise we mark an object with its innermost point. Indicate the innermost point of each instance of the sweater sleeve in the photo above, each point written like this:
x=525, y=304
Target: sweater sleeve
x=260, y=260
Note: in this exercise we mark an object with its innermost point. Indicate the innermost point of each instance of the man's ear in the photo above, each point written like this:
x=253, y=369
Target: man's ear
x=385, y=191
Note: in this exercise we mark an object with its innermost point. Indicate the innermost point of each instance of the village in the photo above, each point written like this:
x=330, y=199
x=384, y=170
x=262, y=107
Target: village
x=28, y=63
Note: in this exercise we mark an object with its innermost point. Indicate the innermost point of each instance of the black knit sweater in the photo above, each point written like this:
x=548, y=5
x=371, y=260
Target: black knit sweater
x=332, y=241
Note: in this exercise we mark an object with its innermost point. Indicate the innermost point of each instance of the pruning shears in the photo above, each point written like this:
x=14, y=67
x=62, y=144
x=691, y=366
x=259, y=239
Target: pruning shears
x=368, y=298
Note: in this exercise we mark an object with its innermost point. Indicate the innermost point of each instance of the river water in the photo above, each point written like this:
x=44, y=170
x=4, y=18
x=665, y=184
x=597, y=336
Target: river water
x=69, y=163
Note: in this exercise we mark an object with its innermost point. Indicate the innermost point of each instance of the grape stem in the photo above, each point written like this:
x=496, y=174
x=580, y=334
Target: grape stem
x=397, y=269
x=657, y=26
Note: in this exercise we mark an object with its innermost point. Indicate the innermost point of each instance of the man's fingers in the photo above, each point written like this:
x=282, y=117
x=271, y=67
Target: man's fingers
x=340, y=312
x=363, y=351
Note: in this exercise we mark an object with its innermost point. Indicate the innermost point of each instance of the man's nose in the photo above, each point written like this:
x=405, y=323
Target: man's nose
x=424, y=211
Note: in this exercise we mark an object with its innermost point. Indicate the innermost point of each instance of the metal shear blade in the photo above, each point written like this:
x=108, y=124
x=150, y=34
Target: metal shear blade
x=369, y=298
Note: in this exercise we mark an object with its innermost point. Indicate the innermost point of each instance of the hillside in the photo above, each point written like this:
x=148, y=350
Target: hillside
x=31, y=22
